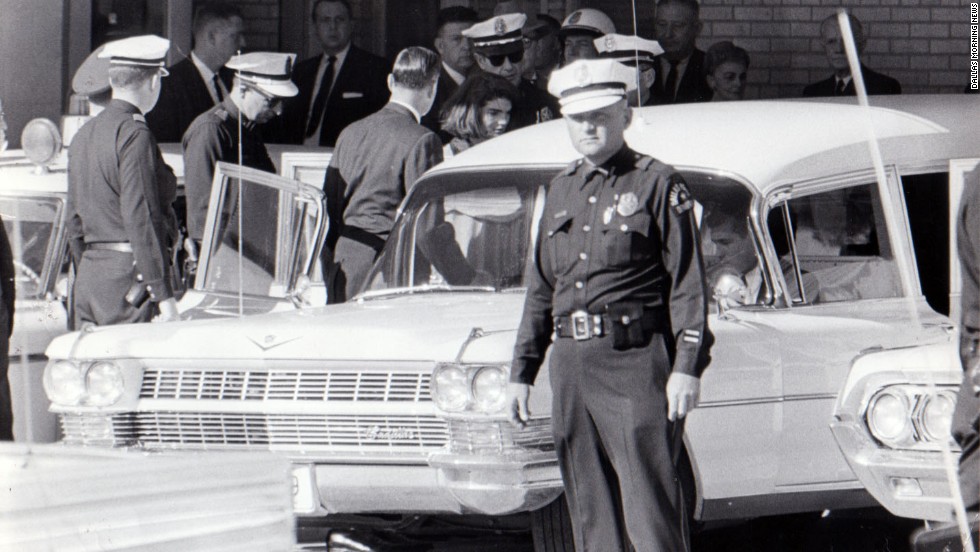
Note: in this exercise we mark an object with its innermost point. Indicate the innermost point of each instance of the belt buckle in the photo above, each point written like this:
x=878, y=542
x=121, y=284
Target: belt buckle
x=580, y=325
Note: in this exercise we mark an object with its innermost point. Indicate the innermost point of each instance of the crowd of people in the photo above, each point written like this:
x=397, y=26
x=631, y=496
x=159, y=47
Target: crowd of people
x=624, y=475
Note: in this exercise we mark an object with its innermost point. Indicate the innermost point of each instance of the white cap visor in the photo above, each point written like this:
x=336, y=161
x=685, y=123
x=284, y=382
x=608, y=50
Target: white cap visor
x=585, y=101
x=275, y=87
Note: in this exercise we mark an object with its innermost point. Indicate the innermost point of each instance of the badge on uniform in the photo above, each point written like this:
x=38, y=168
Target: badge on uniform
x=680, y=198
x=607, y=215
x=627, y=204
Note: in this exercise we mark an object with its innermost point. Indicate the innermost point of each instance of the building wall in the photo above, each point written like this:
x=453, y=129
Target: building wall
x=31, y=31
x=922, y=43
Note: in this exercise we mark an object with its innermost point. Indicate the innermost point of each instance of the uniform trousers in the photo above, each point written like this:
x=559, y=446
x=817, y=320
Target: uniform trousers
x=616, y=448
x=351, y=262
x=104, y=277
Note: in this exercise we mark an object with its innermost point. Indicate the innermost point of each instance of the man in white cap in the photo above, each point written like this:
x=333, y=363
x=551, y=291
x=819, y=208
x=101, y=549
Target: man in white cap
x=618, y=278
x=635, y=52
x=262, y=80
x=498, y=47
x=376, y=162
x=578, y=31
x=120, y=196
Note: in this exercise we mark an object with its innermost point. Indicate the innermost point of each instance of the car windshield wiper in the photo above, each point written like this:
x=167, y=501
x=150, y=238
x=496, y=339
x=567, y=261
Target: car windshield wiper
x=424, y=288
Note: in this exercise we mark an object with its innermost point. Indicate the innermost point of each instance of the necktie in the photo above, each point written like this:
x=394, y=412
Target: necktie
x=217, y=88
x=839, y=91
x=321, y=98
x=670, y=85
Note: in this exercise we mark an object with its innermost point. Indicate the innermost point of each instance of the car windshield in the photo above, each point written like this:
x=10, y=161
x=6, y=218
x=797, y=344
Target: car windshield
x=30, y=224
x=471, y=231
x=272, y=228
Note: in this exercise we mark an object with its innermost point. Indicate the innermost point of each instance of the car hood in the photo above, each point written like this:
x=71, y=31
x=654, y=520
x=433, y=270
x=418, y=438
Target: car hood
x=419, y=327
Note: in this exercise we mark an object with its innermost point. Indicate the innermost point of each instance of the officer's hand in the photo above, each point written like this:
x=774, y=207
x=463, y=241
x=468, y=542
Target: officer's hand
x=168, y=311
x=682, y=395
x=517, y=395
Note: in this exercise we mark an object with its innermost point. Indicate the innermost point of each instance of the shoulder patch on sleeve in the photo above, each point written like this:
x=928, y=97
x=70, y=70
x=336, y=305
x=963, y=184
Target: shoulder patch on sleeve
x=139, y=118
x=680, y=198
x=572, y=167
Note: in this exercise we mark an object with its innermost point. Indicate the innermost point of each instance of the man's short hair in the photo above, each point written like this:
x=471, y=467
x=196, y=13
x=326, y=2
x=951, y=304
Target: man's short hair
x=415, y=68
x=345, y=3
x=130, y=77
x=856, y=27
x=455, y=14
x=689, y=4
x=210, y=12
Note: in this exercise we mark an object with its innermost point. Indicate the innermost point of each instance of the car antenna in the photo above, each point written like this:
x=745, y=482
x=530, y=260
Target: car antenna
x=241, y=263
x=900, y=254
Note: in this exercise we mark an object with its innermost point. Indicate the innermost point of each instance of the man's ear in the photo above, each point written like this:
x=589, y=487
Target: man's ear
x=627, y=114
x=391, y=82
x=698, y=25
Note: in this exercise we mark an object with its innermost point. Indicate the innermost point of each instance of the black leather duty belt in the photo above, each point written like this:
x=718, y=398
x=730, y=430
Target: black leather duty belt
x=582, y=325
x=121, y=247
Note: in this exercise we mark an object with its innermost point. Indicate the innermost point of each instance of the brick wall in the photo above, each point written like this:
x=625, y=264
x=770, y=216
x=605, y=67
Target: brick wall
x=922, y=43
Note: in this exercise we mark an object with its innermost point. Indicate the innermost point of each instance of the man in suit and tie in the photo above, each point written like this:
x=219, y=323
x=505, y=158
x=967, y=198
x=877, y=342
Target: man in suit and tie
x=336, y=88
x=199, y=81
x=374, y=165
x=680, y=69
x=457, y=60
x=841, y=83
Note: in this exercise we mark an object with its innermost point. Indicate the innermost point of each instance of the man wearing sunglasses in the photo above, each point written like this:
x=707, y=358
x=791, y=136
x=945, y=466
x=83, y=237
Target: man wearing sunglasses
x=498, y=47
x=262, y=80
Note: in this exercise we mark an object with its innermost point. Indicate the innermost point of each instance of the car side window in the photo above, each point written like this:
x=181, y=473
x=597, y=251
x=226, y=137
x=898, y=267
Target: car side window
x=833, y=246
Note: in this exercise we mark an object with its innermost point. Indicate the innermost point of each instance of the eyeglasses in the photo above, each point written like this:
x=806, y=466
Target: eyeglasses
x=274, y=102
x=513, y=57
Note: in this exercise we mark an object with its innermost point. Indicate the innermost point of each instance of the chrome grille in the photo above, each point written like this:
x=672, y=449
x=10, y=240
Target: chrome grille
x=495, y=437
x=265, y=385
x=220, y=430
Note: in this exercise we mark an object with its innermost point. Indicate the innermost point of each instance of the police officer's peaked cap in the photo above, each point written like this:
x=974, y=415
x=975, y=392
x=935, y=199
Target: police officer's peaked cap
x=589, y=84
x=141, y=51
x=589, y=21
x=92, y=76
x=629, y=49
x=500, y=34
x=267, y=71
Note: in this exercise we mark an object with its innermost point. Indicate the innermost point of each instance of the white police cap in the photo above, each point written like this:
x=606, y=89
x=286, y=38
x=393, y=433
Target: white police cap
x=267, y=71
x=627, y=48
x=500, y=34
x=587, y=20
x=589, y=84
x=140, y=51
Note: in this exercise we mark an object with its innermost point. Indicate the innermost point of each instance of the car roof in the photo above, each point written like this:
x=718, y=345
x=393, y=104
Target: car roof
x=766, y=142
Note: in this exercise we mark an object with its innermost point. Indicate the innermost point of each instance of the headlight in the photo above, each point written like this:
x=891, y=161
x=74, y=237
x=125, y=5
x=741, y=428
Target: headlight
x=449, y=384
x=937, y=416
x=104, y=382
x=889, y=418
x=490, y=389
x=64, y=383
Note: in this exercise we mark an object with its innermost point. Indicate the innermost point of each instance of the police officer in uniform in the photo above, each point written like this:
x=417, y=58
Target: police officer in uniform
x=618, y=278
x=261, y=82
x=120, y=196
x=636, y=52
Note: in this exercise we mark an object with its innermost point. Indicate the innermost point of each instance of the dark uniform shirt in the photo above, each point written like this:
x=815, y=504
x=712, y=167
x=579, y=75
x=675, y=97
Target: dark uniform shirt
x=213, y=137
x=533, y=106
x=623, y=231
x=120, y=190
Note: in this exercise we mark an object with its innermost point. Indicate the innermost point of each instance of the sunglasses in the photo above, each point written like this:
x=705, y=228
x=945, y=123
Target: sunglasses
x=274, y=102
x=498, y=60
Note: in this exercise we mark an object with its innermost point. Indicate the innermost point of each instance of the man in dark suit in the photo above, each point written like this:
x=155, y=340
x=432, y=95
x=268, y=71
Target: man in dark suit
x=199, y=82
x=841, y=83
x=363, y=194
x=680, y=69
x=341, y=86
x=457, y=60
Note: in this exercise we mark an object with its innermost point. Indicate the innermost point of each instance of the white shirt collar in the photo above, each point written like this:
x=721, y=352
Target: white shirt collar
x=418, y=117
x=457, y=77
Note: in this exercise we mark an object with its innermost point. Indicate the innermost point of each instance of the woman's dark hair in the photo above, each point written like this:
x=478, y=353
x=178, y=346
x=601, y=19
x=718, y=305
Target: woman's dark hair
x=460, y=115
x=723, y=51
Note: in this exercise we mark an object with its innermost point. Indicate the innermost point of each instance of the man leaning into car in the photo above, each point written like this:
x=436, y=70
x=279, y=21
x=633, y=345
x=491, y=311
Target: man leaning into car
x=619, y=278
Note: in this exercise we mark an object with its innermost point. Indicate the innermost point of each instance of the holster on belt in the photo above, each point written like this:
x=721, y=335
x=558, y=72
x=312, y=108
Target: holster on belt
x=627, y=329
